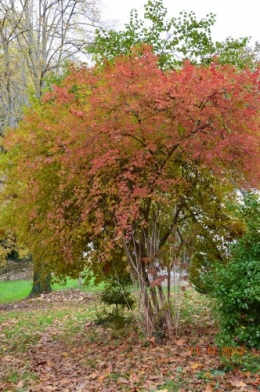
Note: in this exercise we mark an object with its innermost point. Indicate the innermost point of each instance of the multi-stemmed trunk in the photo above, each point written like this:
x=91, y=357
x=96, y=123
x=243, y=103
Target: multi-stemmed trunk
x=155, y=305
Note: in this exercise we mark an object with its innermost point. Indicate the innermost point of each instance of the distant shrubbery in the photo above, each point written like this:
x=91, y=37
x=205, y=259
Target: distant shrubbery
x=13, y=270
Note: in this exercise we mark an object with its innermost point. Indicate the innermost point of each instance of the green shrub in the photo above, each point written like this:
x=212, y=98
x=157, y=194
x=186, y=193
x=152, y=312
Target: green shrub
x=236, y=285
x=248, y=362
x=116, y=319
x=117, y=292
x=118, y=295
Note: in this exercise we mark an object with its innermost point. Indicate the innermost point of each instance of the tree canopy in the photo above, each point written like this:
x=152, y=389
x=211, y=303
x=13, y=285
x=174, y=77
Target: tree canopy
x=172, y=38
x=126, y=156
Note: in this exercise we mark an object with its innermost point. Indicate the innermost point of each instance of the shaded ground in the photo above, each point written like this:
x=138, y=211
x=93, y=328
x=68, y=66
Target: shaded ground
x=52, y=344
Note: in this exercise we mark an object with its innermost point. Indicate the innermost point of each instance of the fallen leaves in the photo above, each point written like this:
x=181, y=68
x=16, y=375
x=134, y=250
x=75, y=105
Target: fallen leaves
x=59, y=297
x=197, y=365
x=180, y=342
x=72, y=354
x=237, y=383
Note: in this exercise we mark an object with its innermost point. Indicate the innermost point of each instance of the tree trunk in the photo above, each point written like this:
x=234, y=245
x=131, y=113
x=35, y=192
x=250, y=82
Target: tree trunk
x=41, y=284
x=154, y=305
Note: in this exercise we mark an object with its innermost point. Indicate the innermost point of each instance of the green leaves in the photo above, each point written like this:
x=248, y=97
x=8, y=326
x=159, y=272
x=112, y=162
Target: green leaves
x=172, y=39
x=236, y=285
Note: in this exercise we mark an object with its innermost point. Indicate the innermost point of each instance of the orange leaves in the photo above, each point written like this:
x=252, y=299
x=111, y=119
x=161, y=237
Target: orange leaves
x=110, y=145
x=77, y=113
x=197, y=366
x=237, y=384
x=158, y=281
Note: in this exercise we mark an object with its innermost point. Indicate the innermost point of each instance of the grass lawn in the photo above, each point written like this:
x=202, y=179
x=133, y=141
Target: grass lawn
x=16, y=290
x=53, y=344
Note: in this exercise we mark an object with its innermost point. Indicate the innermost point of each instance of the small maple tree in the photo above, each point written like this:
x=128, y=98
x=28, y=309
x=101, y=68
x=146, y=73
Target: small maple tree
x=125, y=156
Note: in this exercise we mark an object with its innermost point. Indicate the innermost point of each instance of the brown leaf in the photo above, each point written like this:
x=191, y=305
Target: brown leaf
x=153, y=377
x=208, y=389
x=196, y=366
x=237, y=383
x=152, y=271
x=93, y=375
x=151, y=340
x=122, y=380
x=255, y=381
x=147, y=259
x=134, y=378
x=158, y=281
x=20, y=384
x=180, y=342
x=164, y=360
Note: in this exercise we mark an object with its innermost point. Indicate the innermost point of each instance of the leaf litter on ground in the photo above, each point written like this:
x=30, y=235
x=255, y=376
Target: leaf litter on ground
x=52, y=344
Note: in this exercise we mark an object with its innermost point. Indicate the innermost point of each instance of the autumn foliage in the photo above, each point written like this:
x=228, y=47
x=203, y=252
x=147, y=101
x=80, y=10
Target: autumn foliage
x=127, y=157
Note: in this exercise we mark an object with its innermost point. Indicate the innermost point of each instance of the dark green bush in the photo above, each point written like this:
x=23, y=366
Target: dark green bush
x=117, y=295
x=236, y=285
x=117, y=292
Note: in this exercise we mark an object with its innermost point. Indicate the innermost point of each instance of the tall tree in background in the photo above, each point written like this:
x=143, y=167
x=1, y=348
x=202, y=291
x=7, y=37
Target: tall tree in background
x=130, y=157
x=173, y=39
x=52, y=32
x=13, y=78
x=37, y=37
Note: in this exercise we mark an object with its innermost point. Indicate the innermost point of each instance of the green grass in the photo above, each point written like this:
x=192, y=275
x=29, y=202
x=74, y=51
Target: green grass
x=11, y=291
x=22, y=329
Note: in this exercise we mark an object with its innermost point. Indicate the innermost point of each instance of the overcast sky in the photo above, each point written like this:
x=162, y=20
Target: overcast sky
x=235, y=18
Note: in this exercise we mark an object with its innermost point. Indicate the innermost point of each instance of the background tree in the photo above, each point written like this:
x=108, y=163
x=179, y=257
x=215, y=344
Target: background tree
x=46, y=33
x=13, y=82
x=129, y=157
x=173, y=39
x=37, y=38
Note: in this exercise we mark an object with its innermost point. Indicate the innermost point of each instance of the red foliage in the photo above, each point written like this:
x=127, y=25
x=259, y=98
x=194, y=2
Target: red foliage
x=122, y=138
